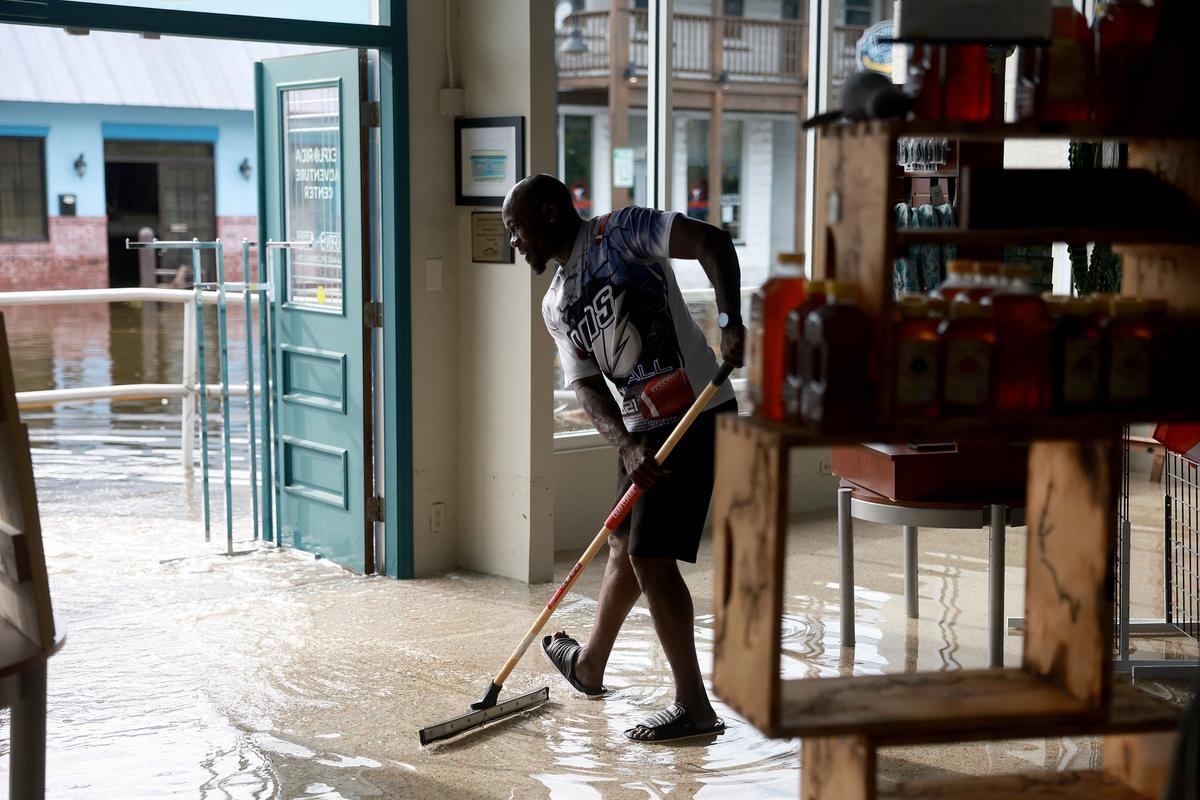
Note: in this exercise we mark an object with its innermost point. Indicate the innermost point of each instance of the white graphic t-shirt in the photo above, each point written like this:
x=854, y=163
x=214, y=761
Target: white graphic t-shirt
x=615, y=309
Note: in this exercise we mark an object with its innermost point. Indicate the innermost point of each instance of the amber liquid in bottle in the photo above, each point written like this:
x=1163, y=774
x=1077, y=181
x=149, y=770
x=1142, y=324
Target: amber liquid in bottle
x=1022, y=355
x=769, y=308
x=969, y=83
x=968, y=342
x=837, y=395
x=1064, y=92
x=1076, y=349
x=1124, y=36
x=916, y=365
x=1127, y=351
x=796, y=352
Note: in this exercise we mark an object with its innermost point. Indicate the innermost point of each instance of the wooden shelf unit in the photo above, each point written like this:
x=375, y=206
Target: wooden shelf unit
x=1064, y=685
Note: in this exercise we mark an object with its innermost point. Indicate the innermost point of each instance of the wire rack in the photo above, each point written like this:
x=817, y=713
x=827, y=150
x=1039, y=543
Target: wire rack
x=1182, y=544
x=1121, y=559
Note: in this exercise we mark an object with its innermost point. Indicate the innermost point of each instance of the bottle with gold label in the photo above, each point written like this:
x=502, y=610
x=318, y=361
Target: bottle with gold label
x=1022, y=357
x=968, y=343
x=917, y=350
x=765, y=329
x=1076, y=356
x=838, y=392
x=1127, y=354
x=796, y=352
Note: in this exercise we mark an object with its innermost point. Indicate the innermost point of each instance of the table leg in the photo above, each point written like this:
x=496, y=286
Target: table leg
x=910, y=571
x=998, y=519
x=846, y=561
x=27, y=756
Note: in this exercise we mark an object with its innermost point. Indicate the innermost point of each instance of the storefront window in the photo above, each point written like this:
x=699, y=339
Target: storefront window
x=363, y=12
x=22, y=189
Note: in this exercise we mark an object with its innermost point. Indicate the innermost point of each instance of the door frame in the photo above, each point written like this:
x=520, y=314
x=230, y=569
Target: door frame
x=390, y=38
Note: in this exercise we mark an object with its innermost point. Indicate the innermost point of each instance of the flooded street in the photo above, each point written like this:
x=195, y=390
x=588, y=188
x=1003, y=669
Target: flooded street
x=271, y=674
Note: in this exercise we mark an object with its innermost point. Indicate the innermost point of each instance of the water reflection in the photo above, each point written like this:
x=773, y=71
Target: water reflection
x=272, y=674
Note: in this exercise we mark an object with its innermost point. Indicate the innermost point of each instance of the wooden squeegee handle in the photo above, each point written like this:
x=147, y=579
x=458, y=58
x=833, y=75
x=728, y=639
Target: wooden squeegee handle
x=619, y=512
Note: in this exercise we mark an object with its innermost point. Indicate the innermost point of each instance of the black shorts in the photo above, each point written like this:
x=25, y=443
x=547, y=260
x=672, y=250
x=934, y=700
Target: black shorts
x=669, y=519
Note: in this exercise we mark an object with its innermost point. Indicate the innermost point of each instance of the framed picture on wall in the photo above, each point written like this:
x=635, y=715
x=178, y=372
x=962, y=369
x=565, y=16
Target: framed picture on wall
x=489, y=157
x=489, y=239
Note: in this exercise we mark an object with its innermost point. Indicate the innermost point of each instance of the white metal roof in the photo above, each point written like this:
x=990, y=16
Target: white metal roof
x=46, y=65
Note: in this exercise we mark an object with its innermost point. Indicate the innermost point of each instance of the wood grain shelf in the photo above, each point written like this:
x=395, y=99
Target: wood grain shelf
x=964, y=705
x=981, y=430
x=1039, y=786
x=993, y=132
x=1001, y=237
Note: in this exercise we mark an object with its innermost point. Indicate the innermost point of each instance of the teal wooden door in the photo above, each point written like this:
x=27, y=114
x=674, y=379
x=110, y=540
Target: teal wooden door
x=309, y=110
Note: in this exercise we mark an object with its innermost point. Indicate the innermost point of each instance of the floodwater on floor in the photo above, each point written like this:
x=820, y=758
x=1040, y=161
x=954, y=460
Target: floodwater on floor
x=270, y=674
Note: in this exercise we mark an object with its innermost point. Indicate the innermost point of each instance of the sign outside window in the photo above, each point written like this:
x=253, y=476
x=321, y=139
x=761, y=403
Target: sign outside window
x=313, y=196
x=623, y=171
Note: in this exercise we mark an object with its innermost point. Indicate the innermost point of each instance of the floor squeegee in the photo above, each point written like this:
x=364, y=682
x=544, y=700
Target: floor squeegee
x=487, y=709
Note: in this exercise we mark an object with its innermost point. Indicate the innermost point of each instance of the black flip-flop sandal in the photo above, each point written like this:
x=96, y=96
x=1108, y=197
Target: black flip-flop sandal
x=673, y=724
x=561, y=653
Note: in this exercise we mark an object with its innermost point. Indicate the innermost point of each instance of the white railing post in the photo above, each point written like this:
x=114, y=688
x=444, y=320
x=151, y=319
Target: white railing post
x=187, y=427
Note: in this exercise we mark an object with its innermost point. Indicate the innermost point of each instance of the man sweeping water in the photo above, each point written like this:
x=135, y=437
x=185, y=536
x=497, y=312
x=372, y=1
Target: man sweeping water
x=615, y=312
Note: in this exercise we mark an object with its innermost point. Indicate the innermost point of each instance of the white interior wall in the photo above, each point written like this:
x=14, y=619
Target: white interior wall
x=434, y=314
x=505, y=429
x=586, y=485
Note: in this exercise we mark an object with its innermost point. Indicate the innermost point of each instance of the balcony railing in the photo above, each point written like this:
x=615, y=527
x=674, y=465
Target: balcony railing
x=755, y=50
x=844, y=51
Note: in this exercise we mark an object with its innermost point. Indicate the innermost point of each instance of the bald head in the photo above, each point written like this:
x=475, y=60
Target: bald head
x=540, y=215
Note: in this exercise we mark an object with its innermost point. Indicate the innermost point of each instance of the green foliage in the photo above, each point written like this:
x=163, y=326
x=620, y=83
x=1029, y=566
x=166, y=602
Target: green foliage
x=1105, y=270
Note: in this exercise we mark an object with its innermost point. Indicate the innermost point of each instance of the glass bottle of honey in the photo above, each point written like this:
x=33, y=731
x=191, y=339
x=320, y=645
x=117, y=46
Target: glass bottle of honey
x=1127, y=353
x=1076, y=354
x=968, y=342
x=1022, y=355
x=956, y=82
x=986, y=280
x=960, y=277
x=837, y=395
x=766, y=335
x=1124, y=40
x=917, y=349
x=796, y=352
x=1065, y=90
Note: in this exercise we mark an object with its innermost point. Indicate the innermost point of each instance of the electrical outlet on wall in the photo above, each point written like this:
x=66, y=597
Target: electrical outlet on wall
x=824, y=466
x=437, y=518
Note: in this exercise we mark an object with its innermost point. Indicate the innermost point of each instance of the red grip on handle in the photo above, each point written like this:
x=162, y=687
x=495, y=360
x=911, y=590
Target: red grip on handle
x=623, y=507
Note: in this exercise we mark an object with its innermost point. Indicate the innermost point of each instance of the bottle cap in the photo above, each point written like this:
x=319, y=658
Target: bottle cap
x=937, y=307
x=1125, y=307
x=790, y=258
x=1018, y=272
x=987, y=268
x=960, y=267
x=967, y=310
x=912, y=306
x=842, y=291
x=1078, y=307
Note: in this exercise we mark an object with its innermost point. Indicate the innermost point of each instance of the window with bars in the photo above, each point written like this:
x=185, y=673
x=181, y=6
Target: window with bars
x=23, y=189
x=858, y=12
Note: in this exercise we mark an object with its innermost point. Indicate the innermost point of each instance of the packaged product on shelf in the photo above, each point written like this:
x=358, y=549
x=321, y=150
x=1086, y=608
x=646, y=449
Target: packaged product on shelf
x=1124, y=38
x=1076, y=355
x=795, y=351
x=968, y=343
x=766, y=334
x=960, y=277
x=1022, y=356
x=953, y=82
x=1055, y=83
x=837, y=395
x=917, y=349
x=1127, y=354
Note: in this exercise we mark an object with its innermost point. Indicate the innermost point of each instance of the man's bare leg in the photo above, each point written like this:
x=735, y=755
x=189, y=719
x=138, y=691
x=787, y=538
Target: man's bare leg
x=672, y=611
x=619, y=590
